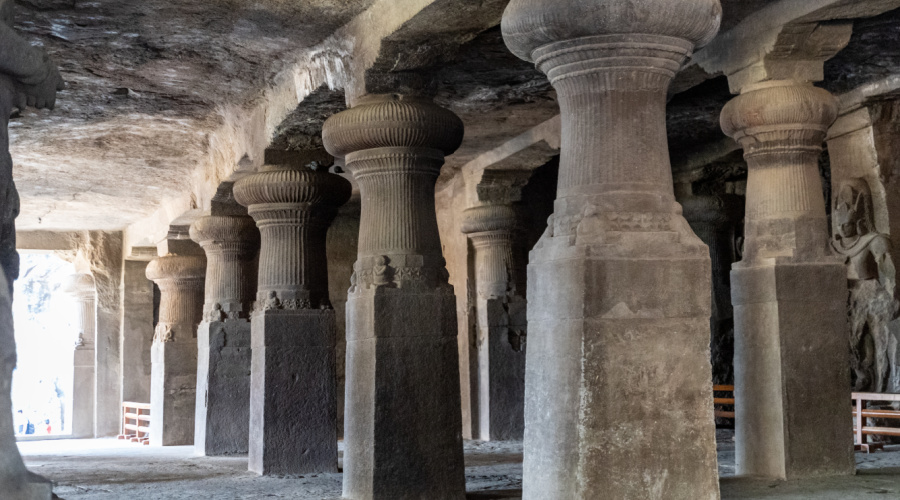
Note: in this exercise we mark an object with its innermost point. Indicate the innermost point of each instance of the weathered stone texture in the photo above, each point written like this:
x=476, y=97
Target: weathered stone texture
x=174, y=352
x=82, y=288
x=789, y=295
x=502, y=328
x=293, y=407
x=137, y=331
x=618, y=286
x=403, y=418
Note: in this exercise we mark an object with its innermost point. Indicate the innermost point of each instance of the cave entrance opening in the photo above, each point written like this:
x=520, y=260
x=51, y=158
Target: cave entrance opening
x=47, y=329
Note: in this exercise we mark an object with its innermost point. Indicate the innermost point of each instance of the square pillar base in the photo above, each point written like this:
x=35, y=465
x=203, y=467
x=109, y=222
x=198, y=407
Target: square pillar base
x=83, y=401
x=173, y=392
x=618, y=394
x=222, y=421
x=403, y=421
x=792, y=371
x=501, y=367
x=293, y=406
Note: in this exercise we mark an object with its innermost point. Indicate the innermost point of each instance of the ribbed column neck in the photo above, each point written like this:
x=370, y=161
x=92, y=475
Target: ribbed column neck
x=395, y=146
x=493, y=230
x=781, y=127
x=231, y=244
x=180, y=279
x=293, y=208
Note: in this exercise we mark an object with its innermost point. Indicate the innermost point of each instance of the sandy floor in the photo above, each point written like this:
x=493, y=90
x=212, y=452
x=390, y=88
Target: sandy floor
x=111, y=469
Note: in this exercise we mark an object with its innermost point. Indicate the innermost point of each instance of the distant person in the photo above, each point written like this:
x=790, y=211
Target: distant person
x=29, y=428
x=20, y=422
x=49, y=428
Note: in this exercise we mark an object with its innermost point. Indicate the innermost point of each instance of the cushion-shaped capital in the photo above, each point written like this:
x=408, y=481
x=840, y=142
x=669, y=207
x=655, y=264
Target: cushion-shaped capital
x=291, y=184
x=181, y=267
x=531, y=24
x=386, y=121
x=488, y=218
x=221, y=229
x=779, y=105
x=81, y=285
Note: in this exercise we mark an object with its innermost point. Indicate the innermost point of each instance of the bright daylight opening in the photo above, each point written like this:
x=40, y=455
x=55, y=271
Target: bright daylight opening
x=46, y=334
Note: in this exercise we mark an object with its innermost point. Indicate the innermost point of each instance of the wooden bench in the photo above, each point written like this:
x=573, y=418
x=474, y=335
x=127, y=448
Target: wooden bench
x=720, y=403
x=136, y=422
x=860, y=431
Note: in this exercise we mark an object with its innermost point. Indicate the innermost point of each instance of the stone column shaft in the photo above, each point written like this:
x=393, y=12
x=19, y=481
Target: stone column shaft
x=293, y=405
x=403, y=420
x=222, y=419
x=173, y=383
x=714, y=220
x=789, y=294
x=85, y=381
x=618, y=285
x=500, y=310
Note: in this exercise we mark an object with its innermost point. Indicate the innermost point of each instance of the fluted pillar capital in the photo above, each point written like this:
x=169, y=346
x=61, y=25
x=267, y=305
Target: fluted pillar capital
x=230, y=243
x=394, y=146
x=391, y=121
x=778, y=118
x=487, y=218
x=781, y=126
x=82, y=286
x=529, y=25
x=492, y=230
x=285, y=192
x=293, y=207
x=171, y=271
x=180, y=279
x=226, y=233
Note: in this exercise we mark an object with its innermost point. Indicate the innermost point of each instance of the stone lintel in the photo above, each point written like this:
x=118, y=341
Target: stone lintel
x=789, y=39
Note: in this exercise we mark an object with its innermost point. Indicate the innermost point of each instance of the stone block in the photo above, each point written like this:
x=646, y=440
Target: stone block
x=173, y=392
x=403, y=427
x=792, y=371
x=618, y=402
x=83, y=401
x=222, y=422
x=293, y=407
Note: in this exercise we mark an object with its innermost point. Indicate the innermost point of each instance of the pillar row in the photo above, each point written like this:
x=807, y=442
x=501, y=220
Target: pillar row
x=83, y=289
x=618, y=285
x=403, y=423
x=293, y=407
x=222, y=414
x=173, y=379
x=789, y=293
x=502, y=327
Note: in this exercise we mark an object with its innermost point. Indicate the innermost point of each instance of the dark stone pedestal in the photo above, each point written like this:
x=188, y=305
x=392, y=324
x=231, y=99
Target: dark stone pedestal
x=173, y=392
x=293, y=406
x=792, y=372
x=502, y=371
x=403, y=424
x=222, y=422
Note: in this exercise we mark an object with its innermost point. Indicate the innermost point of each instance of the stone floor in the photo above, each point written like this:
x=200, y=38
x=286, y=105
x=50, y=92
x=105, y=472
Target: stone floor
x=111, y=469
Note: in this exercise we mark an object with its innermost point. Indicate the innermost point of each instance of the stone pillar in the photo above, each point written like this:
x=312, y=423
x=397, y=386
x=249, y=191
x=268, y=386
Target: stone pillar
x=618, y=396
x=137, y=325
x=222, y=418
x=83, y=401
x=502, y=327
x=173, y=382
x=403, y=422
x=714, y=219
x=293, y=406
x=789, y=294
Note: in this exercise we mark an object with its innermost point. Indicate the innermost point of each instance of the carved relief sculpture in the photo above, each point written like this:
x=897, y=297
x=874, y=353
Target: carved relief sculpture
x=27, y=78
x=872, y=280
